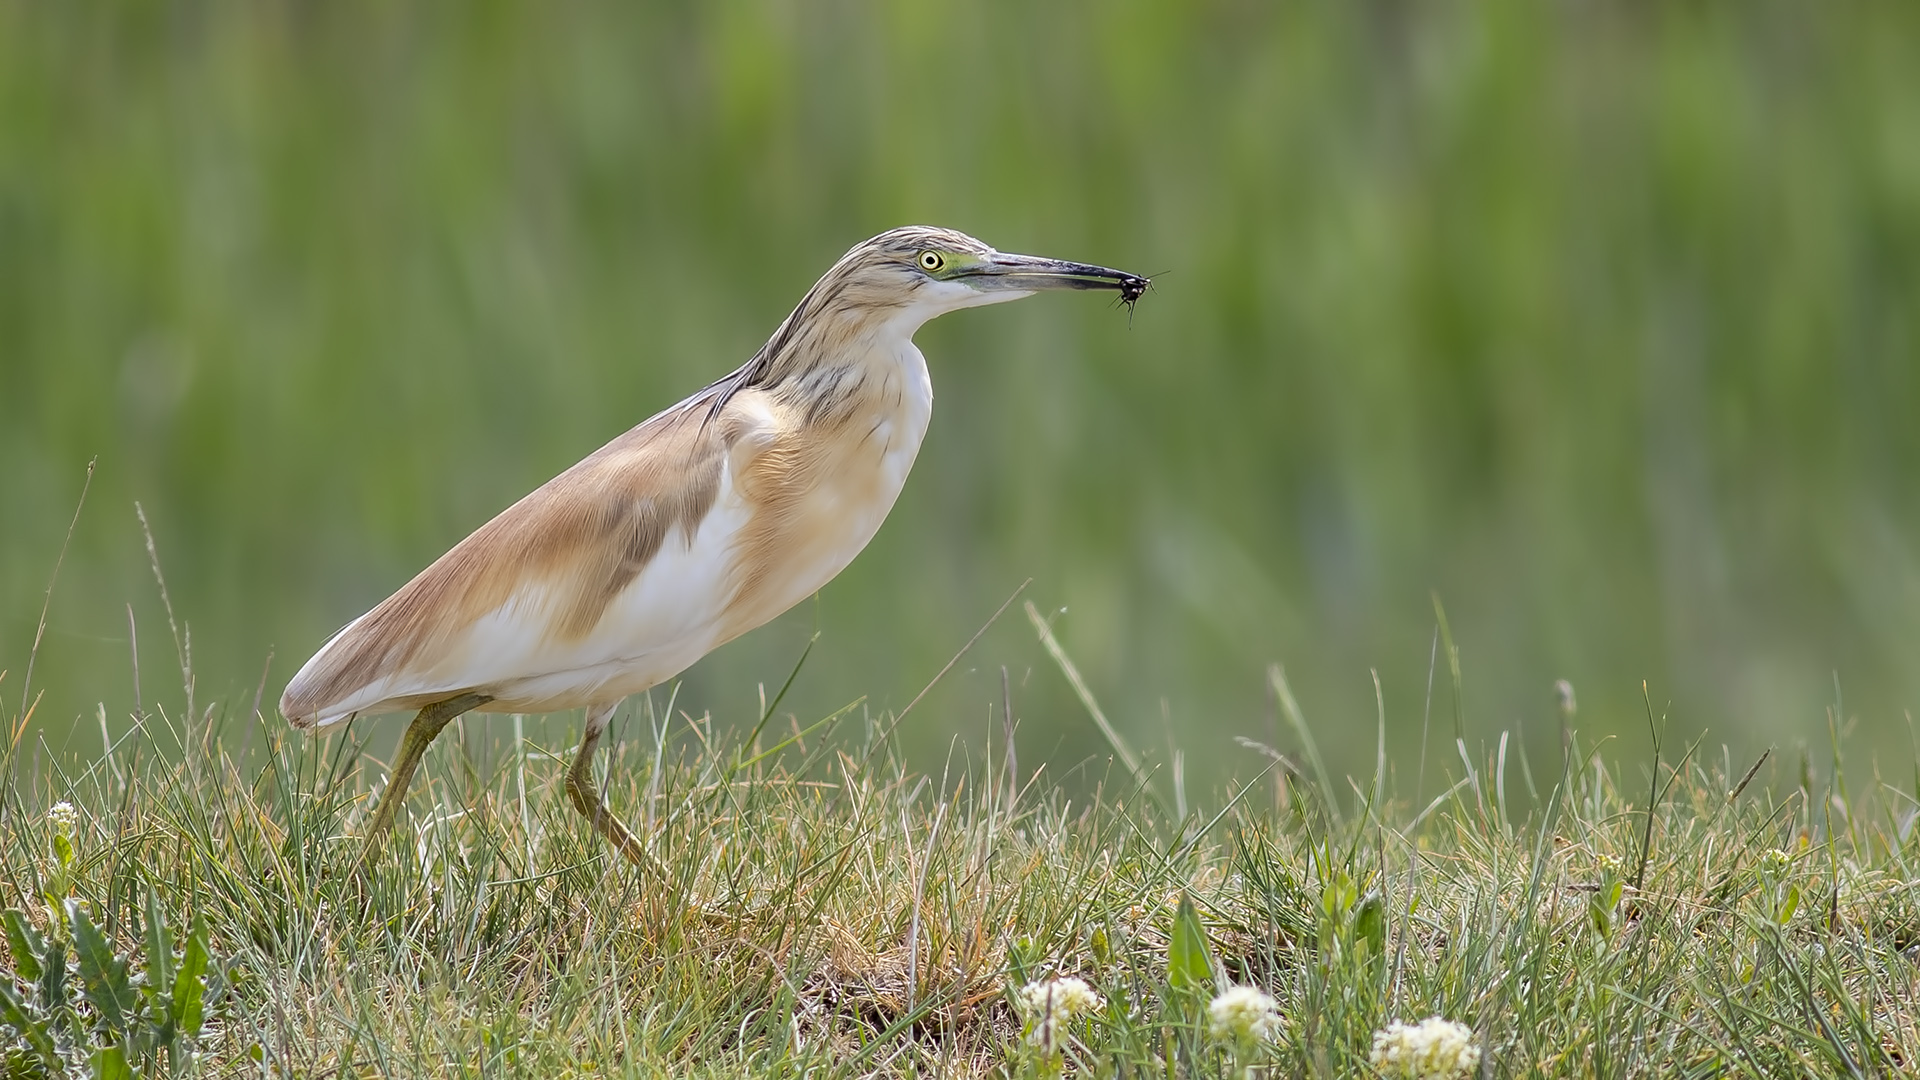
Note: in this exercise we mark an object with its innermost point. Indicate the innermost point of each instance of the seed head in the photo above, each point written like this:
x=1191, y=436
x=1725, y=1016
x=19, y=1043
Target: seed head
x=1563, y=691
x=1433, y=1049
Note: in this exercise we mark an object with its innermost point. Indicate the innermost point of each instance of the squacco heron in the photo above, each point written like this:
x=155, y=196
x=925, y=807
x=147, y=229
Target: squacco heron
x=698, y=525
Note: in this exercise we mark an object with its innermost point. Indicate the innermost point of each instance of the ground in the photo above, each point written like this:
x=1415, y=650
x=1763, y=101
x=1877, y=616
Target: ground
x=812, y=908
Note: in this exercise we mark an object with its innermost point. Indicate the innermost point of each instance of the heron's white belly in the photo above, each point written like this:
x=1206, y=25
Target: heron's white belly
x=663, y=621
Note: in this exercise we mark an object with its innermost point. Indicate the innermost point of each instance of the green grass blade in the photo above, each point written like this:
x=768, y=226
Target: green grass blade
x=1277, y=676
x=1120, y=748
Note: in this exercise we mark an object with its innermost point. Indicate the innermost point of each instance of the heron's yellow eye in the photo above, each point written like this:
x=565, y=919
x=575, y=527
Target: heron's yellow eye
x=931, y=260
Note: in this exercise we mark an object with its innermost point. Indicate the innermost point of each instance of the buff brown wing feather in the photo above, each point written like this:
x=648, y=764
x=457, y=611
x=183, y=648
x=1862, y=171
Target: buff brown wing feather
x=580, y=539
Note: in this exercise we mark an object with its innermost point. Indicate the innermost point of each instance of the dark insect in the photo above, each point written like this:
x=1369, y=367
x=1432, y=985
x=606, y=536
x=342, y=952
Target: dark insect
x=1132, y=289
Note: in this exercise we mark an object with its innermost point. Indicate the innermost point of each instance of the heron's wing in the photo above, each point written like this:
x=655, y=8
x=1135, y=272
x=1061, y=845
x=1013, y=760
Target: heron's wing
x=523, y=596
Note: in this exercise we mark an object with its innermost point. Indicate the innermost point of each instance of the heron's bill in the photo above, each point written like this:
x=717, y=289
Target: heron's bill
x=1032, y=273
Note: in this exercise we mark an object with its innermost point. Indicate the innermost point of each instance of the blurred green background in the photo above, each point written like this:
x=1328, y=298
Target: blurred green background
x=1597, y=320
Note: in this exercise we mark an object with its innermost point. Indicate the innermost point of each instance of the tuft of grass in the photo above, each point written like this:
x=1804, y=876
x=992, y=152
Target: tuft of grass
x=815, y=909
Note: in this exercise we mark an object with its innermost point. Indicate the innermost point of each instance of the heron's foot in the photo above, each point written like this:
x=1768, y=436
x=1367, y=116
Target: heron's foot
x=588, y=801
x=413, y=746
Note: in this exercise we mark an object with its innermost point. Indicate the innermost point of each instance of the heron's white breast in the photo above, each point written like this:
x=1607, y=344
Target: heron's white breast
x=859, y=468
x=664, y=620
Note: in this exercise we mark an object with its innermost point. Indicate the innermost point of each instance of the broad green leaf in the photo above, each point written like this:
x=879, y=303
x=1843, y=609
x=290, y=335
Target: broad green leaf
x=53, y=977
x=1370, y=924
x=159, y=946
x=25, y=943
x=1188, y=966
x=1337, y=898
x=110, y=1063
x=1602, y=903
x=190, y=984
x=13, y=1013
x=1099, y=946
x=102, y=974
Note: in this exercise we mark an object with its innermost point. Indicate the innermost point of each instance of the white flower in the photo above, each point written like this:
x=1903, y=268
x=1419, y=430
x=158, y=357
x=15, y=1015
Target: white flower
x=1060, y=997
x=1433, y=1049
x=1243, y=1013
x=1048, y=1003
x=62, y=817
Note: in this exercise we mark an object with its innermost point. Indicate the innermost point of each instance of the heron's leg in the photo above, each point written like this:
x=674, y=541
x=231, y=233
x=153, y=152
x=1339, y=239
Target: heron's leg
x=588, y=801
x=413, y=745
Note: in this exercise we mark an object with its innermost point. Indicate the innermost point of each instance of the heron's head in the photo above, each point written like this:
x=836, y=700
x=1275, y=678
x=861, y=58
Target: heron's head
x=920, y=271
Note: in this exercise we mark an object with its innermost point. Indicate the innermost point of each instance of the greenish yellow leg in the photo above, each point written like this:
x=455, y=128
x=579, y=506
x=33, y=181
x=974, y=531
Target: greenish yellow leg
x=413, y=745
x=588, y=801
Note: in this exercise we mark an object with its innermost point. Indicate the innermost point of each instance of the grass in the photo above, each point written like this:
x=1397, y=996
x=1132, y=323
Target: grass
x=814, y=909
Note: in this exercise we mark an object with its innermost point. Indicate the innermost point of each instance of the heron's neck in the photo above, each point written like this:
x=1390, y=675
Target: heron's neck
x=829, y=352
x=871, y=367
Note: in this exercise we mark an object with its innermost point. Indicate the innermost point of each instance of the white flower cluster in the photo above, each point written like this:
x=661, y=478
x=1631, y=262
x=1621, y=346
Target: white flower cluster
x=1049, y=1003
x=62, y=817
x=1433, y=1049
x=1062, y=998
x=1243, y=1013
